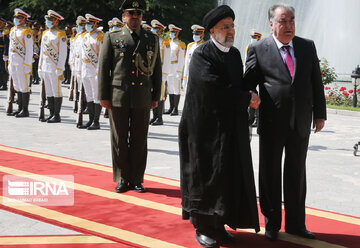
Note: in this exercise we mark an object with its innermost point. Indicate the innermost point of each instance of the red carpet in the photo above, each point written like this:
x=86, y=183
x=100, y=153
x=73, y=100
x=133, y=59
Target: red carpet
x=152, y=219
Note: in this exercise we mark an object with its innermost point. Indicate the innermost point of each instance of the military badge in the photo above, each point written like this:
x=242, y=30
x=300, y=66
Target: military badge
x=63, y=39
x=150, y=53
x=28, y=36
x=135, y=4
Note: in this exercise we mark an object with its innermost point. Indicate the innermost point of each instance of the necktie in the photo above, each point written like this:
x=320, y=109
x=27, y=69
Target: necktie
x=135, y=37
x=288, y=60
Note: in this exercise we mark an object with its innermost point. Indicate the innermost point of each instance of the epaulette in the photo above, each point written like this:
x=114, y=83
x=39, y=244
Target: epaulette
x=190, y=45
x=26, y=31
x=12, y=28
x=165, y=42
x=182, y=45
x=83, y=34
x=61, y=33
x=77, y=35
x=100, y=36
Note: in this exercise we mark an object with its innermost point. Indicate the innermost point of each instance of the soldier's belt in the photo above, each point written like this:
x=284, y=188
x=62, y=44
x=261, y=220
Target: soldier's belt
x=86, y=60
x=174, y=62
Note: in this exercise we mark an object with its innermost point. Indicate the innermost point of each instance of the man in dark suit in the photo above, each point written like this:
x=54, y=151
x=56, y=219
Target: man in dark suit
x=286, y=68
x=129, y=85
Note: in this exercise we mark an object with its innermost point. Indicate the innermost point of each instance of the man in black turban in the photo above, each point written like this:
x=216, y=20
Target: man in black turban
x=217, y=179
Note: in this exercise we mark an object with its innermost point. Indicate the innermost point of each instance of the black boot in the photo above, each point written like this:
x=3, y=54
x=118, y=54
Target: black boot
x=91, y=110
x=20, y=105
x=159, y=119
x=57, y=107
x=176, y=105
x=171, y=99
x=25, y=105
x=155, y=115
x=50, y=104
x=97, y=111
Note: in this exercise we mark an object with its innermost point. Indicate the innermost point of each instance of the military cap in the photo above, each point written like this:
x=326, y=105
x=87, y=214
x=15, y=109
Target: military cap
x=217, y=14
x=133, y=5
x=52, y=13
x=172, y=27
x=146, y=26
x=116, y=21
x=110, y=23
x=253, y=32
x=91, y=18
x=19, y=12
x=80, y=20
x=157, y=24
x=196, y=28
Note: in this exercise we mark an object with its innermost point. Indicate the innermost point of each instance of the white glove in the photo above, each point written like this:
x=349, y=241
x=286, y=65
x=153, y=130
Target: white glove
x=27, y=69
x=58, y=72
x=41, y=73
x=5, y=58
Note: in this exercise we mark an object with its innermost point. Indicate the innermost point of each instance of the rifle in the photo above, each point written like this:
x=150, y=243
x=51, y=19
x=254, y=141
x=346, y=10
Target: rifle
x=80, y=112
x=71, y=96
x=42, y=101
x=11, y=96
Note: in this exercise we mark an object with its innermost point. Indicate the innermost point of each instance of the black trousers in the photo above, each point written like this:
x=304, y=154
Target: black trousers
x=129, y=129
x=272, y=146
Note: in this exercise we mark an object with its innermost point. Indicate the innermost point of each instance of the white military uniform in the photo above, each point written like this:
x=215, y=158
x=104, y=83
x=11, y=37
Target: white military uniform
x=90, y=52
x=20, y=56
x=176, y=65
x=52, y=60
x=189, y=51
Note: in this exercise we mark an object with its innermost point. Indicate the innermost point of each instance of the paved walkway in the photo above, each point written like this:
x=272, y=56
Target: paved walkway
x=332, y=170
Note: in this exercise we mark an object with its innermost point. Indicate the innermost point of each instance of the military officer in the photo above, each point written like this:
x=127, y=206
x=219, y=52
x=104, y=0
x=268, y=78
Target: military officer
x=198, y=37
x=52, y=63
x=3, y=69
x=158, y=29
x=90, y=52
x=129, y=85
x=20, y=60
x=5, y=55
x=177, y=59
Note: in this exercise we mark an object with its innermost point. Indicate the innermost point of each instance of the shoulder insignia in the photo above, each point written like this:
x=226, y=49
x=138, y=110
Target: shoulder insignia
x=165, y=42
x=61, y=33
x=190, y=45
x=100, y=36
x=26, y=31
x=182, y=45
x=83, y=35
x=12, y=29
x=77, y=35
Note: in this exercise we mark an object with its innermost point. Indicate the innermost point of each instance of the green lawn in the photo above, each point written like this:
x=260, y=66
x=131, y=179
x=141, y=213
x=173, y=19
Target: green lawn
x=343, y=107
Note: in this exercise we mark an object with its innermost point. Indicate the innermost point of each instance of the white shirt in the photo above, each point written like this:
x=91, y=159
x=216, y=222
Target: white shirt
x=282, y=52
x=221, y=47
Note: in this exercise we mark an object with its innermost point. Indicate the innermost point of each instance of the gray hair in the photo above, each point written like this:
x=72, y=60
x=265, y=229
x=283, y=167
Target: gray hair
x=271, y=12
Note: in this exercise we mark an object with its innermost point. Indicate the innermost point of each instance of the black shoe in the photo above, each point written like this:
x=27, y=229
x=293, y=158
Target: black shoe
x=205, y=241
x=152, y=121
x=174, y=112
x=94, y=126
x=224, y=236
x=271, y=235
x=22, y=114
x=158, y=122
x=54, y=119
x=121, y=187
x=13, y=113
x=302, y=233
x=138, y=188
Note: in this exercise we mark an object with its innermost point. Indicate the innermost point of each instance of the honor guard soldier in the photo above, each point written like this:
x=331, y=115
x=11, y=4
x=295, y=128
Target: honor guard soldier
x=5, y=55
x=177, y=58
x=198, y=37
x=76, y=61
x=20, y=60
x=158, y=29
x=37, y=44
x=129, y=85
x=253, y=113
x=3, y=64
x=110, y=24
x=71, y=63
x=90, y=52
x=117, y=24
x=52, y=63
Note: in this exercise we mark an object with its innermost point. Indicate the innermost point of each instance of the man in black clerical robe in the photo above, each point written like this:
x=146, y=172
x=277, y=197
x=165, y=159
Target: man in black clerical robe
x=217, y=180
